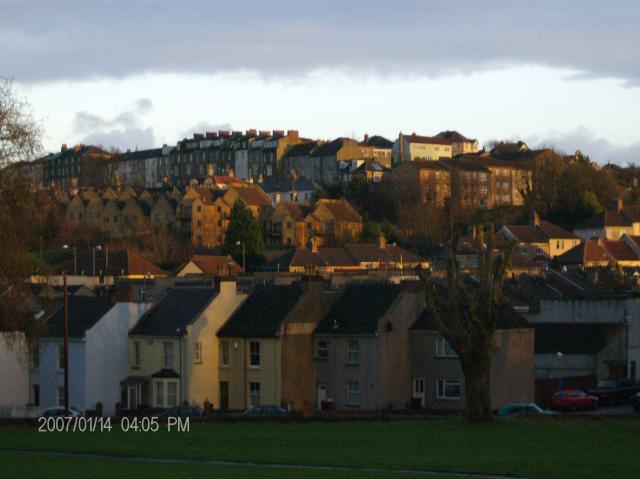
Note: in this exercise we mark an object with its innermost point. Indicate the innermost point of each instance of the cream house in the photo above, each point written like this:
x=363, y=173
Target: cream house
x=174, y=350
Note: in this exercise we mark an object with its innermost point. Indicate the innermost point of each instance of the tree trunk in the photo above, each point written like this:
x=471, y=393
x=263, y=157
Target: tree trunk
x=478, y=391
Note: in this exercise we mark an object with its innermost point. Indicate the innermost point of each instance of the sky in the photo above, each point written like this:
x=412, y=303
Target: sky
x=142, y=73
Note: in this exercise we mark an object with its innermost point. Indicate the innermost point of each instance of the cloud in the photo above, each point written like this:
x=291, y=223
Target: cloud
x=72, y=39
x=122, y=131
x=599, y=149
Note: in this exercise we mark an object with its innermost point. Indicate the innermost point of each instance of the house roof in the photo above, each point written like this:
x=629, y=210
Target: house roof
x=377, y=141
x=571, y=338
x=83, y=313
x=216, y=264
x=454, y=136
x=508, y=318
x=540, y=233
x=367, y=253
x=253, y=195
x=262, y=313
x=297, y=211
x=306, y=258
x=178, y=308
x=301, y=149
x=430, y=140
x=113, y=263
x=590, y=251
x=301, y=184
x=359, y=309
x=329, y=149
x=340, y=209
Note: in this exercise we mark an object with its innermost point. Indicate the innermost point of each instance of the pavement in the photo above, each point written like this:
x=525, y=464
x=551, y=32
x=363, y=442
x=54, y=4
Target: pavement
x=618, y=410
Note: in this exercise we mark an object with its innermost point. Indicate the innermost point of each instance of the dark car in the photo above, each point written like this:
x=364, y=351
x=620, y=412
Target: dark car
x=182, y=412
x=521, y=409
x=573, y=400
x=635, y=402
x=267, y=411
x=615, y=391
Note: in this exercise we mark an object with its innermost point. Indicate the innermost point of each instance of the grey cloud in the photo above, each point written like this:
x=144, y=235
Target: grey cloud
x=74, y=39
x=599, y=149
x=122, y=131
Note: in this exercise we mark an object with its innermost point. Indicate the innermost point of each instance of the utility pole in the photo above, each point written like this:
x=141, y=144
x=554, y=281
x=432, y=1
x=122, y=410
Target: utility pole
x=66, y=343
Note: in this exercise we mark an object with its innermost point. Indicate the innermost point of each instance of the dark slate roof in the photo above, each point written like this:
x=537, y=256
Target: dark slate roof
x=178, y=308
x=165, y=373
x=572, y=338
x=262, y=312
x=84, y=312
x=359, y=309
x=508, y=318
x=377, y=141
x=606, y=218
x=286, y=185
x=301, y=149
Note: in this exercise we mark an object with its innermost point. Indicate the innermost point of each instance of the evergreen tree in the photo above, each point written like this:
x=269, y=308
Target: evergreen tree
x=244, y=230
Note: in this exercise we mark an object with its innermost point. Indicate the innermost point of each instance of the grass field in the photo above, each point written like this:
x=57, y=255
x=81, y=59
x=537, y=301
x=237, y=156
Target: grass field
x=576, y=448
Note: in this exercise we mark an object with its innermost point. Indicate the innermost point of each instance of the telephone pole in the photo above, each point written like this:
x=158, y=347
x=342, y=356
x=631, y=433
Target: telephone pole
x=66, y=343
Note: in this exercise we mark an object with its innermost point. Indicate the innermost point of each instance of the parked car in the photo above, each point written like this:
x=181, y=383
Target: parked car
x=635, y=402
x=573, y=400
x=521, y=409
x=615, y=391
x=60, y=411
x=182, y=412
x=267, y=411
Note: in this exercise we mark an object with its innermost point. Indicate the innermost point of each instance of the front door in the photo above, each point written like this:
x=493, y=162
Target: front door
x=224, y=395
x=418, y=393
x=133, y=397
x=322, y=395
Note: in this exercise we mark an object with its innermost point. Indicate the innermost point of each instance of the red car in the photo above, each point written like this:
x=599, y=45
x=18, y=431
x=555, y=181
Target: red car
x=573, y=400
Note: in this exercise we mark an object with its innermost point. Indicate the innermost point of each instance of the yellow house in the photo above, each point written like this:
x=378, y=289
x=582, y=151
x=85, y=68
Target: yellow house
x=541, y=237
x=174, y=353
x=286, y=224
x=415, y=147
x=331, y=221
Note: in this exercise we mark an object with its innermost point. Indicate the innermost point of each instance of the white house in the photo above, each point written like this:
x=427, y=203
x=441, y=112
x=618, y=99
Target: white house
x=98, y=354
x=14, y=373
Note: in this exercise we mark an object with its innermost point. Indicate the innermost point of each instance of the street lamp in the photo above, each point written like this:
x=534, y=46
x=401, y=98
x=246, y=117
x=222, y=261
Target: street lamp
x=75, y=258
x=99, y=248
x=238, y=243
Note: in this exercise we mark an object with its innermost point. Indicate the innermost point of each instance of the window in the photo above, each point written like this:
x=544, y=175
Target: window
x=353, y=352
x=197, y=353
x=444, y=349
x=168, y=355
x=61, y=396
x=254, y=392
x=353, y=393
x=448, y=389
x=254, y=354
x=137, y=354
x=418, y=387
x=322, y=350
x=172, y=393
x=224, y=354
x=60, y=357
x=160, y=394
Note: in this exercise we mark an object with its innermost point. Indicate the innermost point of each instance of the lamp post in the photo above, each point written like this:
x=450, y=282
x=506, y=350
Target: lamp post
x=99, y=248
x=75, y=258
x=66, y=343
x=238, y=243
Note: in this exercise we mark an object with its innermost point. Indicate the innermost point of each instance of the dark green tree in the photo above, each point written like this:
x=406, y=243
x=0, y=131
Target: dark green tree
x=244, y=230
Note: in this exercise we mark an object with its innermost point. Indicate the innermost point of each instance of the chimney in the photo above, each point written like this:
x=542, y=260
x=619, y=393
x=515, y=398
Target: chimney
x=63, y=147
x=211, y=134
x=227, y=286
x=535, y=219
x=252, y=132
x=619, y=205
x=293, y=134
x=381, y=242
x=278, y=132
x=314, y=245
x=223, y=133
x=366, y=137
x=209, y=169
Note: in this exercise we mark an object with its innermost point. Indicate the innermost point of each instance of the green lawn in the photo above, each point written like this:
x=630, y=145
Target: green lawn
x=552, y=448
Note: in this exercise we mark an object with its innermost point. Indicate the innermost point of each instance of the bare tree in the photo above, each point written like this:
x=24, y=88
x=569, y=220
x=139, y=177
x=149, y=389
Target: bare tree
x=466, y=316
x=19, y=133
